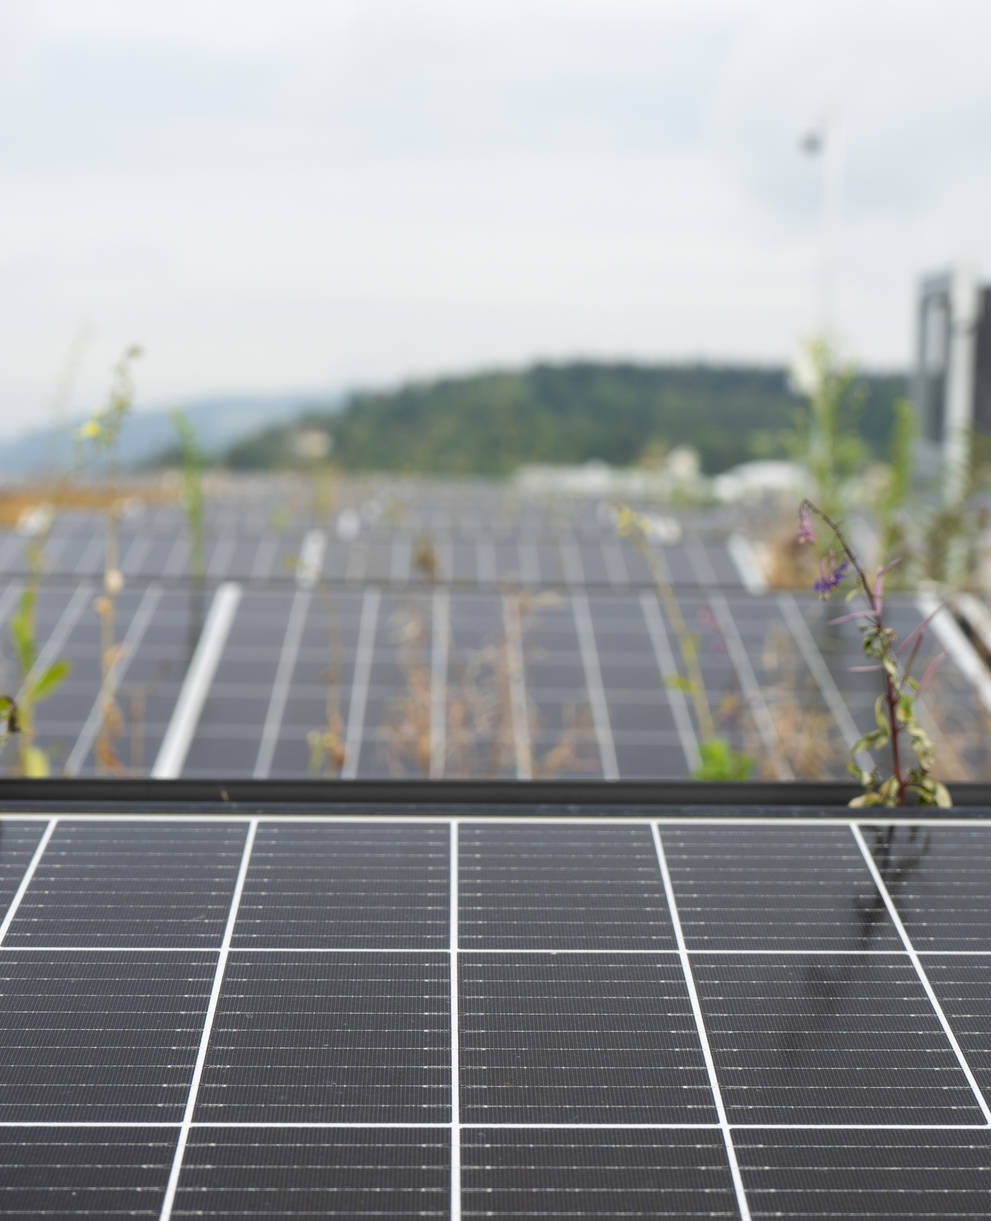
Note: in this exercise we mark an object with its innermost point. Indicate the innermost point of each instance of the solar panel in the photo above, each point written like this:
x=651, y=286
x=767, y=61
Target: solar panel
x=568, y=1012
x=475, y=683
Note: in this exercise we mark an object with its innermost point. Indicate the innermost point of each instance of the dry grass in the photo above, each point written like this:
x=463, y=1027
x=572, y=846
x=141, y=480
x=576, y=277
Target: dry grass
x=65, y=497
x=789, y=564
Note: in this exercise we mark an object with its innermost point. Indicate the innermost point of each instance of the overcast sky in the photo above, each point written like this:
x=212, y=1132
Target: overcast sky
x=319, y=193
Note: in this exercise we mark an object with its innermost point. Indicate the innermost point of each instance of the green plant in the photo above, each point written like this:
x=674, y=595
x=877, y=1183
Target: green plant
x=100, y=436
x=326, y=746
x=34, y=687
x=894, y=709
x=893, y=500
x=718, y=759
x=825, y=442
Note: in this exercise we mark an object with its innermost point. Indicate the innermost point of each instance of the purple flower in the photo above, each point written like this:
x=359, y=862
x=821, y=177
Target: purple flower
x=830, y=575
x=806, y=534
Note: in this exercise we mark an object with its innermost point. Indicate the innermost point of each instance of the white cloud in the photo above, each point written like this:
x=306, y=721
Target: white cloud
x=320, y=192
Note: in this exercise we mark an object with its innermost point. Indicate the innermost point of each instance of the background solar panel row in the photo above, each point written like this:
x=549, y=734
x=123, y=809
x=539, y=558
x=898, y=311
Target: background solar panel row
x=451, y=682
x=492, y=557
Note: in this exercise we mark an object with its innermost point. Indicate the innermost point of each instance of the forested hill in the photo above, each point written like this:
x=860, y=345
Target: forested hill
x=490, y=423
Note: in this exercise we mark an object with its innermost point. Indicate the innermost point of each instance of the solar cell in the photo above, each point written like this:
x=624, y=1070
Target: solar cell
x=861, y=1173
x=613, y=1173
x=130, y=884
x=561, y=888
x=84, y=1171
x=822, y=1039
x=330, y=1037
x=579, y=1038
x=775, y=888
x=266, y=1171
x=99, y=1036
x=346, y=887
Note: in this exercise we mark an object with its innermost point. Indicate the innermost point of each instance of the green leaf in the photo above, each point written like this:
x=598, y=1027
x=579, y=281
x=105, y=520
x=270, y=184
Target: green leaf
x=719, y=761
x=22, y=629
x=47, y=683
x=942, y=795
x=34, y=762
x=677, y=682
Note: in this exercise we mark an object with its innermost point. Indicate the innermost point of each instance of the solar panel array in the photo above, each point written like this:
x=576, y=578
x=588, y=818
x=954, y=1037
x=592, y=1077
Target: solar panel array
x=467, y=1016
x=539, y=648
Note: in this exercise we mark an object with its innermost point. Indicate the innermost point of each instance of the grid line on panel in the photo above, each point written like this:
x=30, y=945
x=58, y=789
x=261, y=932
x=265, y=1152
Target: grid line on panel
x=26, y=880
x=283, y=678
x=455, y=1057
x=814, y=659
x=211, y=1010
x=710, y=1063
x=132, y=639
x=593, y=681
x=748, y=566
x=485, y=562
x=571, y=563
x=261, y=565
x=59, y=634
x=617, y=572
x=668, y=667
x=955, y=642
x=751, y=688
x=363, y=655
x=920, y=972
x=196, y=684
x=89, y=557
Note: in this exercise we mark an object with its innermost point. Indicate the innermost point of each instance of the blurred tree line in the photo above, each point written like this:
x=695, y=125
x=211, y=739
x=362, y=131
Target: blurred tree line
x=620, y=413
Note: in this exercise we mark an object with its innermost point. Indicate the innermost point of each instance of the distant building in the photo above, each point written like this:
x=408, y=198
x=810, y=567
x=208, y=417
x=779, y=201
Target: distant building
x=952, y=387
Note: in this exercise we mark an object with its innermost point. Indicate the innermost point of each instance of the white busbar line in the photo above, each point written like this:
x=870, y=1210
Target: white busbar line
x=59, y=635
x=309, y=566
x=363, y=654
x=26, y=880
x=571, y=564
x=617, y=572
x=135, y=553
x=896, y=920
x=593, y=681
x=261, y=566
x=748, y=563
x=455, y=1044
x=211, y=1010
x=749, y=685
x=710, y=1064
x=438, y=682
x=8, y=598
x=280, y=687
x=813, y=658
x=133, y=637
x=196, y=685
x=485, y=561
x=90, y=555
x=400, y=557
x=949, y=634
x=669, y=671
x=220, y=557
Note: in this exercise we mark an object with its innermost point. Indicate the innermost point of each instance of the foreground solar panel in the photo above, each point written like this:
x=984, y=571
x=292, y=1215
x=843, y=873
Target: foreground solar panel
x=415, y=1014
